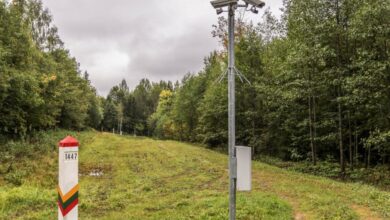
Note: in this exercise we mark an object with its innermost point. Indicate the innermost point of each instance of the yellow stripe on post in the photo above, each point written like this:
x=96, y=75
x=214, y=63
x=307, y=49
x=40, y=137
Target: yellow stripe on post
x=69, y=194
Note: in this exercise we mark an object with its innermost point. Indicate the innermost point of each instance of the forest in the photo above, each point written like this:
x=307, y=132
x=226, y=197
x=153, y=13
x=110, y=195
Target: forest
x=318, y=91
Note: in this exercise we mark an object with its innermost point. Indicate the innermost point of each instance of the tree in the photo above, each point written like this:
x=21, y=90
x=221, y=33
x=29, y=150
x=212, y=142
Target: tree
x=161, y=121
x=95, y=113
x=185, y=112
x=40, y=83
x=110, y=115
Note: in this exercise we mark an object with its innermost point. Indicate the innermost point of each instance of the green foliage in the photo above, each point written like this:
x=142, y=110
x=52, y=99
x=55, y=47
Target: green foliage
x=17, y=156
x=379, y=141
x=130, y=111
x=26, y=202
x=378, y=176
x=40, y=83
x=15, y=178
x=95, y=113
x=212, y=130
x=160, y=121
x=185, y=113
x=110, y=115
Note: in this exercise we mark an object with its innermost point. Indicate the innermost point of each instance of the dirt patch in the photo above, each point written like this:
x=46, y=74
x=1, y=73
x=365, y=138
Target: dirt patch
x=365, y=213
x=263, y=185
x=299, y=216
x=95, y=170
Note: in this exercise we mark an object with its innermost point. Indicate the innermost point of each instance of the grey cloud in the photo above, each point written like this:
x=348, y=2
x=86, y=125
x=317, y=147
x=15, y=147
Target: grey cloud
x=159, y=40
x=175, y=55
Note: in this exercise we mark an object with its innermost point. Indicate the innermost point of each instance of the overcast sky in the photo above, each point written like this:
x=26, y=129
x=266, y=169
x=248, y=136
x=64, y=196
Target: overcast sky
x=154, y=39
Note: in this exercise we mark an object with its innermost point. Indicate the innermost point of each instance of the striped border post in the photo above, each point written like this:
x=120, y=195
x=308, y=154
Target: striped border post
x=68, y=179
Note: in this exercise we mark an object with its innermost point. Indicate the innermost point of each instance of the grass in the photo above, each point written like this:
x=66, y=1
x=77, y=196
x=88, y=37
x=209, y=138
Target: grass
x=378, y=176
x=143, y=178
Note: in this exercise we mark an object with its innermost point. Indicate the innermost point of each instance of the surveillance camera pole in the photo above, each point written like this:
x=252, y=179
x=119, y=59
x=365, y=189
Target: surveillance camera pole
x=232, y=71
x=232, y=117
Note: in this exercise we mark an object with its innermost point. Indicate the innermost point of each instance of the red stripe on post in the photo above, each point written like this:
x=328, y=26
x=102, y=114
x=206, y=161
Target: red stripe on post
x=69, y=208
x=69, y=141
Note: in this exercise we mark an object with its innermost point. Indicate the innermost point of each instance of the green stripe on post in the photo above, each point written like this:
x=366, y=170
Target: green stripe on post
x=65, y=204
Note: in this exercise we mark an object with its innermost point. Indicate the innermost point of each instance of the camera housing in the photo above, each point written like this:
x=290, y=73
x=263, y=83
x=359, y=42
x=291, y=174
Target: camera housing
x=223, y=3
x=256, y=3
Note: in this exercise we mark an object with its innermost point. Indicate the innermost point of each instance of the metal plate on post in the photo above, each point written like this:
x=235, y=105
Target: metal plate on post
x=244, y=168
x=234, y=170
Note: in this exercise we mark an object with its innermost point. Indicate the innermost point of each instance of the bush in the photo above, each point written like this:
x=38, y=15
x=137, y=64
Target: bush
x=17, y=157
x=377, y=176
x=15, y=178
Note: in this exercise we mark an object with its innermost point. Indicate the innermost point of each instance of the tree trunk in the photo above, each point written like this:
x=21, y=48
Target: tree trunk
x=342, y=164
x=315, y=130
x=253, y=137
x=311, y=133
x=350, y=141
x=369, y=157
x=356, y=147
x=365, y=158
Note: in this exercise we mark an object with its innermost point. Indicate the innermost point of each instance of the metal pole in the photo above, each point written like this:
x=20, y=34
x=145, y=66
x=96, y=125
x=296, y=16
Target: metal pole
x=231, y=109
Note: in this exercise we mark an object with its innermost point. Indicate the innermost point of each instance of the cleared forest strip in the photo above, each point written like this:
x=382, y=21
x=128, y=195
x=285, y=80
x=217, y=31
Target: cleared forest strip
x=125, y=177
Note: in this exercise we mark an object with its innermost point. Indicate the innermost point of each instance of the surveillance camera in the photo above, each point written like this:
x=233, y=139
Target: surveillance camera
x=256, y=3
x=219, y=11
x=222, y=3
x=254, y=10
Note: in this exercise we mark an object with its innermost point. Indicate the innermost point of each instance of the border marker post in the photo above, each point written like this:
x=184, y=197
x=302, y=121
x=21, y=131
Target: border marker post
x=68, y=179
